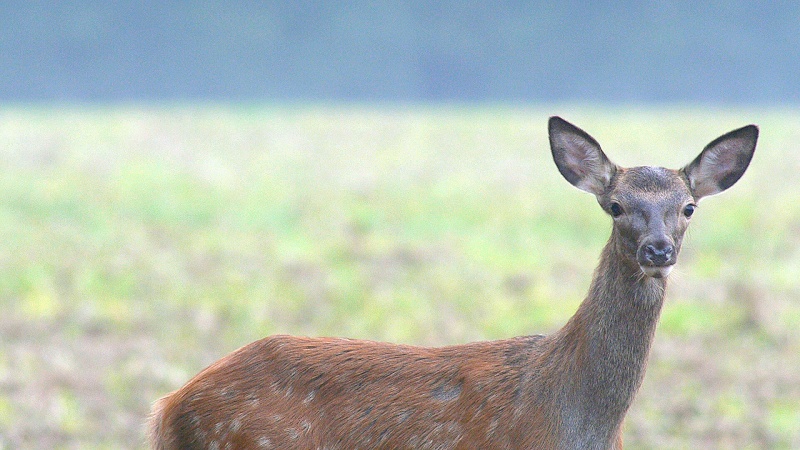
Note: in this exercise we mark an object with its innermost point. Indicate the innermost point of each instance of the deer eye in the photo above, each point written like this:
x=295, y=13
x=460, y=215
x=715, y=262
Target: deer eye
x=688, y=210
x=616, y=209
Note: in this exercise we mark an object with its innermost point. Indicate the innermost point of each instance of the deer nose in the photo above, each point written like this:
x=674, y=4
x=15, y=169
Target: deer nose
x=658, y=254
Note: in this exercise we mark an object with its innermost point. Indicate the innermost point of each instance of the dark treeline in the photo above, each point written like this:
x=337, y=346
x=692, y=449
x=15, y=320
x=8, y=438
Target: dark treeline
x=310, y=50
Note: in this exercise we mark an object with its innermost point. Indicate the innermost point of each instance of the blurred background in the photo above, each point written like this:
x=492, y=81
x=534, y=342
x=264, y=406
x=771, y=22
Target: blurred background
x=177, y=180
x=416, y=51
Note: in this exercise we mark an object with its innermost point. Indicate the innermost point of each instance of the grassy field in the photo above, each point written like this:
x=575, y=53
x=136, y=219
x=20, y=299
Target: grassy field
x=141, y=244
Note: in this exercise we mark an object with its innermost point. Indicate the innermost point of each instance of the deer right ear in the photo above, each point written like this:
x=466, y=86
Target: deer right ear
x=722, y=162
x=579, y=157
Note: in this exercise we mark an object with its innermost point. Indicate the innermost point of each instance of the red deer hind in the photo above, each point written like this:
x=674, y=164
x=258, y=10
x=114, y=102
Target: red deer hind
x=569, y=390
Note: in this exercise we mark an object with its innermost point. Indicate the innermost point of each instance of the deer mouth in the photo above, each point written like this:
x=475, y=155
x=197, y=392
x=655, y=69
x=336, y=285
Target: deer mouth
x=657, y=271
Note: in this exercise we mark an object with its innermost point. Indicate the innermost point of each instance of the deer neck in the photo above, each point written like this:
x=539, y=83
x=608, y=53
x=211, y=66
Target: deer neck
x=609, y=340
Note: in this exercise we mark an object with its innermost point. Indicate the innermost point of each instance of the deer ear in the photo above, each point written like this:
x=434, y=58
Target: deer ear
x=722, y=162
x=579, y=157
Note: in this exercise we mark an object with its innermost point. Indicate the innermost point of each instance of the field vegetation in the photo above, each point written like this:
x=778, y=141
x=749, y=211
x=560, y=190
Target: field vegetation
x=140, y=244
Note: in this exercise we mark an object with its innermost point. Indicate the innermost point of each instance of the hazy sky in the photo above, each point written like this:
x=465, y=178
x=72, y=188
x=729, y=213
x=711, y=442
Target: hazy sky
x=508, y=51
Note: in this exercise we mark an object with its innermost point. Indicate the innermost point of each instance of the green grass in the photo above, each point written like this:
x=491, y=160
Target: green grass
x=141, y=244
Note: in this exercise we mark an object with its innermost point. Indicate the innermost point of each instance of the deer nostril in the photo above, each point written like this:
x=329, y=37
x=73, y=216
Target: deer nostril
x=658, y=256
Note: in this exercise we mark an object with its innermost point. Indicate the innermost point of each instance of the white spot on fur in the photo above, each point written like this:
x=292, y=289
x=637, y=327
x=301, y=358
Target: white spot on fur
x=310, y=397
x=253, y=399
x=227, y=392
x=492, y=427
x=292, y=433
x=264, y=442
x=403, y=416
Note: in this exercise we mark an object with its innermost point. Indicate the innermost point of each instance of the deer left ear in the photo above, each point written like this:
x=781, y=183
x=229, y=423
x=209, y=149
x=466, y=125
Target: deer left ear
x=722, y=162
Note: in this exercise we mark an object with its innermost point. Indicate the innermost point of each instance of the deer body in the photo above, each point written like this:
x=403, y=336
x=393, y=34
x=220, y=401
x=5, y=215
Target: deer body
x=569, y=390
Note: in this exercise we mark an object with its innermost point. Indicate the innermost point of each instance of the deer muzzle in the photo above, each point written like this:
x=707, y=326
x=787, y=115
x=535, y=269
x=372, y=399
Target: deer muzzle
x=656, y=258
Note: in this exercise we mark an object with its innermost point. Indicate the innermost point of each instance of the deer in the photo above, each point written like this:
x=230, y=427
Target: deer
x=570, y=389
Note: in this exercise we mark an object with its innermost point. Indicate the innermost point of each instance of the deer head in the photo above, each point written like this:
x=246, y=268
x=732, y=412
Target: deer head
x=651, y=206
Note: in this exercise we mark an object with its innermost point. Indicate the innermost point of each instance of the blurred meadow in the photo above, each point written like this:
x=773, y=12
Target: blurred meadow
x=140, y=244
